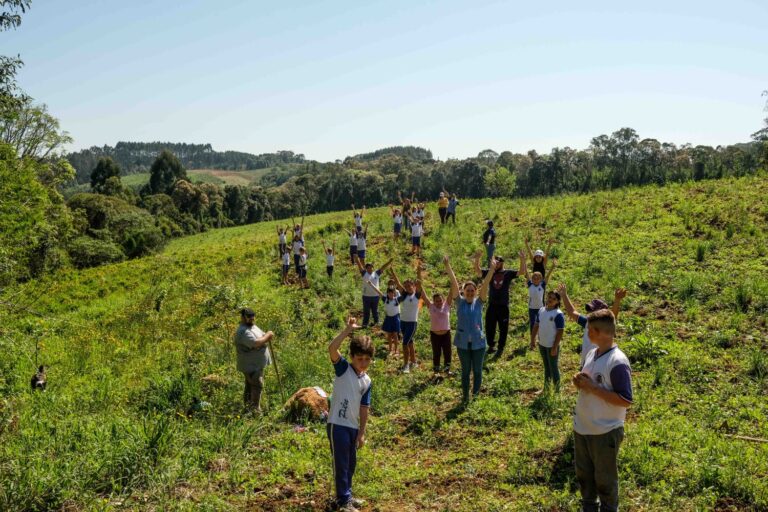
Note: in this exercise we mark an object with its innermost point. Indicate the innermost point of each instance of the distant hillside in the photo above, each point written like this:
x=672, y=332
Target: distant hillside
x=136, y=157
x=413, y=152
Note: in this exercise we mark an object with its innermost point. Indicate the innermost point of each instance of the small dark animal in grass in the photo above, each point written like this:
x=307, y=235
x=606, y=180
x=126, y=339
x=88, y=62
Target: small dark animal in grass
x=38, y=380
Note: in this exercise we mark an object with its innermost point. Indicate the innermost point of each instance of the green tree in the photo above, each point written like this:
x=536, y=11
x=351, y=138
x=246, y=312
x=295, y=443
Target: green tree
x=33, y=131
x=500, y=183
x=165, y=171
x=106, y=168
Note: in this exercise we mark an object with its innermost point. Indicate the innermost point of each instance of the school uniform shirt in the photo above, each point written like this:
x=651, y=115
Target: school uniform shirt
x=303, y=261
x=361, y=243
x=398, y=219
x=419, y=214
x=353, y=241
x=586, y=343
x=286, y=258
x=282, y=238
x=593, y=416
x=409, y=307
x=416, y=229
x=296, y=246
x=329, y=259
x=549, y=321
x=368, y=291
x=359, y=221
x=392, y=307
x=536, y=294
x=350, y=391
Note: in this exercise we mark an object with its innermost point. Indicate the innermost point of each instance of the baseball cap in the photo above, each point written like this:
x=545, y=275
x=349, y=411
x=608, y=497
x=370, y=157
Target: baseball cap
x=539, y=252
x=247, y=312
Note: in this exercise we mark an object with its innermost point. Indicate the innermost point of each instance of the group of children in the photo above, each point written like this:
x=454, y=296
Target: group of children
x=604, y=381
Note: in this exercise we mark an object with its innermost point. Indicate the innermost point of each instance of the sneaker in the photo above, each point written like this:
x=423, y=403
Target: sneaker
x=435, y=369
x=406, y=369
x=348, y=507
x=491, y=350
x=357, y=502
x=447, y=370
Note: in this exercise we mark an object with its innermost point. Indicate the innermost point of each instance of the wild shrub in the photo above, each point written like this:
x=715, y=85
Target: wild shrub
x=85, y=251
x=758, y=364
x=644, y=350
x=742, y=297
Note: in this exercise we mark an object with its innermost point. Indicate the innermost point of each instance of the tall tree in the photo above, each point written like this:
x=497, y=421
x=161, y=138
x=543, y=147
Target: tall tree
x=165, y=171
x=106, y=168
x=10, y=18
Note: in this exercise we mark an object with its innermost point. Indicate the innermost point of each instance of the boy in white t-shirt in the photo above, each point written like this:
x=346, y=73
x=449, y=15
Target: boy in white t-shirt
x=348, y=416
x=330, y=257
x=286, y=261
x=605, y=393
x=417, y=230
x=537, y=285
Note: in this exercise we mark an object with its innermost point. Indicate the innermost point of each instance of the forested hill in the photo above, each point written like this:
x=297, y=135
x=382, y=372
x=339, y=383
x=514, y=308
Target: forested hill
x=133, y=157
x=412, y=152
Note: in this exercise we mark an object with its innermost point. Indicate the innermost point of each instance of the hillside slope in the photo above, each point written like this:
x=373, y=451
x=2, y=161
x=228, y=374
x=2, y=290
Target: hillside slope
x=130, y=344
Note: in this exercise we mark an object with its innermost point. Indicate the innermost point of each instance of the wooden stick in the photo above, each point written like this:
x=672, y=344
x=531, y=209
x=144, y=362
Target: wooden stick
x=277, y=372
x=747, y=438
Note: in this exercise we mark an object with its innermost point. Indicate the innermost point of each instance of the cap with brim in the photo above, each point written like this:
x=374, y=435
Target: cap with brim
x=247, y=312
x=539, y=252
x=596, y=305
x=499, y=259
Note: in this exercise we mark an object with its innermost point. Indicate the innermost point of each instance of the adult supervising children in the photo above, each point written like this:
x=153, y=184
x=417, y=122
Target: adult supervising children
x=370, y=295
x=470, y=337
x=489, y=240
x=497, y=313
x=348, y=417
x=252, y=357
x=605, y=393
x=442, y=207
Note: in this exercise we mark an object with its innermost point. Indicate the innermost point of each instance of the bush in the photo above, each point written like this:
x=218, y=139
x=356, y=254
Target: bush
x=90, y=252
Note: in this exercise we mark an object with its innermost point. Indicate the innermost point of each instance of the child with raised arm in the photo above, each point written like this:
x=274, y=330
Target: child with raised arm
x=298, y=229
x=352, y=245
x=358, y=217
x=440, y=328
x=348, y=417
x=453, y=202
x=370, y=296
x=330, y=257
x=397, y=218
x=282, y=240
x=391, y=325
x=298, y=243
x=537, y=284
x=362, y=235
x=409, y=319
x=549, y=326
x=303, y=268
x=592, y=306
x=605, y=393
x=417, y=230
x=470, y=336
x=539, y=257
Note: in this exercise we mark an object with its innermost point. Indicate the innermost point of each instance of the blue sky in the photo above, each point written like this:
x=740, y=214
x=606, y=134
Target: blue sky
x=335, y=78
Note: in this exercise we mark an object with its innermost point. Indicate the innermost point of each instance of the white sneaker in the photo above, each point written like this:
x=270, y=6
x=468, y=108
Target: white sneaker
x=348, y=507
x=406, y=368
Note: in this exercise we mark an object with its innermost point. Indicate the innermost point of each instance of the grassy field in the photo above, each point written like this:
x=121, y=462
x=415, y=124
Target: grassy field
x=130, y=344
x=217, y=176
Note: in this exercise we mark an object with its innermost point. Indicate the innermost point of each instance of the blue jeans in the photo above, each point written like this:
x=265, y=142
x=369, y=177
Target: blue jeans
x=344, y=452
x=551, y=371
x=489, y=250
x=471, y=361
x=370, y=306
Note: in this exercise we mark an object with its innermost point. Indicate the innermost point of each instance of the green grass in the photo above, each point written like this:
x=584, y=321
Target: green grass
x=110, y=432
x=215, y=176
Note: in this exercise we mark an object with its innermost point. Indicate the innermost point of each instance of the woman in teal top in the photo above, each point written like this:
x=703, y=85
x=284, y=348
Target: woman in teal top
x=470, y=335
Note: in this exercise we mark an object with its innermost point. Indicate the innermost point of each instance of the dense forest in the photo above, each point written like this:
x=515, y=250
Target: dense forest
x=133, y=157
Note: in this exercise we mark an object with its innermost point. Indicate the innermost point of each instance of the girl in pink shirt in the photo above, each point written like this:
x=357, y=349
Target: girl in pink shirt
x=440, y=328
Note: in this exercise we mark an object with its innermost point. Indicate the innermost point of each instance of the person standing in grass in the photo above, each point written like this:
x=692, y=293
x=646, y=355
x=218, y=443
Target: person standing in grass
x=409, y=300
x=370, y=296
x=330, y=258
x=282, y=241
x=440, y=328
x=352, y=245
x=470, y=337
x=298, y=229
x=417, y=230
x=539, y=257
x=252, y=357
x=442, y=207
x=358, y=216
x=407, y=207
x=489, y=240
x=348, y=416
x=537, y=285
x=397, y=218
x=286, y=261
x=605, y=393
x=592, y=306
x=549, y=326
x=497, y=313
x=298, y=243
x=361, y=235
x=453, y=202
x=391, y=325
x=303, y=256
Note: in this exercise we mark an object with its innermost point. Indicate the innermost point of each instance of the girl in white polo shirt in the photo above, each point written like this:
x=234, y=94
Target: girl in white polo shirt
x=330, y=257
x=391, y=325
x=537, y=285
x=549, y=326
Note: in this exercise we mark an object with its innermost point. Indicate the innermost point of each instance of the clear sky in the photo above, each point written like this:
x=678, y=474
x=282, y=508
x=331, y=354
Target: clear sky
x=331, y=78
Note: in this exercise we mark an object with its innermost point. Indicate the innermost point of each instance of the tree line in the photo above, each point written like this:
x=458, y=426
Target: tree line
x=135, y=157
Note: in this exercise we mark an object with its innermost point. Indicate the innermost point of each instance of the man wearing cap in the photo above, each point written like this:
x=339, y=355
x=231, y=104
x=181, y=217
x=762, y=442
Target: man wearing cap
x=252, y=357
x=497, y=312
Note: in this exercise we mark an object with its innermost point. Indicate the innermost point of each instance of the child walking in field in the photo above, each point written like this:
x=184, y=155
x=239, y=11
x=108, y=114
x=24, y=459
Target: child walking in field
x=286, y=264
x=409, y=319
x=330, y=258
x=537, y=285
x=591, y=307
x=440, y=328
x=605, y=393
x=549, y=326
x=348, y=417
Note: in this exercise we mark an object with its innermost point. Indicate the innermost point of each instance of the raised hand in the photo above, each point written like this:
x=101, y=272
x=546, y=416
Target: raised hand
x=352, y=324
x=561, y=289
x=620, y=293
